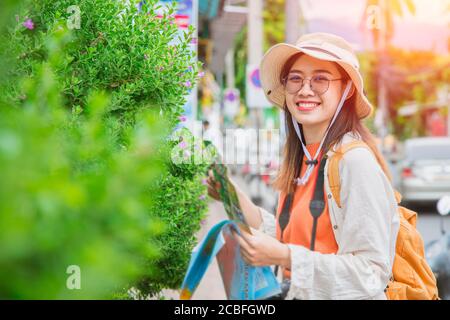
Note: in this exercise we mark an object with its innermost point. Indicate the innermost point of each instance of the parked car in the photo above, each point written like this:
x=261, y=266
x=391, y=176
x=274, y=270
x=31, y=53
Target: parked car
x=425, y=169
x=438, y=252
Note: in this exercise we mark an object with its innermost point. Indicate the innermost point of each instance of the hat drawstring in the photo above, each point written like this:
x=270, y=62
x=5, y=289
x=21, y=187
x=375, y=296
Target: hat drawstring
x=312, y=162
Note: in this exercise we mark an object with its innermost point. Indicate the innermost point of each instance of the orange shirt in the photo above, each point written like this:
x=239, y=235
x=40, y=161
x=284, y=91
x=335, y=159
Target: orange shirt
x=299, y=229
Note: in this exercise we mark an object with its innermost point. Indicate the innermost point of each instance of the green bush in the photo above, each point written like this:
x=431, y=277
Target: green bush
x=181, y=203
x=120, y=49
x=107, y=195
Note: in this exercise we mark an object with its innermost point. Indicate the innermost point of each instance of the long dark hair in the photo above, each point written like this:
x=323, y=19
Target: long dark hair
x=346, y=121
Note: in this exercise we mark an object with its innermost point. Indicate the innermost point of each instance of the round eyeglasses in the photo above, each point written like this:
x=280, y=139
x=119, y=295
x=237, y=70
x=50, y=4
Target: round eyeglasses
x=318, y=84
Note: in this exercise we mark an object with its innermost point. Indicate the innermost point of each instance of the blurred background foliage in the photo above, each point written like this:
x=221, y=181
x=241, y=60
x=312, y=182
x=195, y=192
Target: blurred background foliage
x=410, y=77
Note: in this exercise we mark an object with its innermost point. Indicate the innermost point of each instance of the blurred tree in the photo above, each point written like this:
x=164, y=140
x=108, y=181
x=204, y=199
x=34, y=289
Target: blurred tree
x=240, y=62
x=274, y=22
x=388, y=9
x=411, y=76
x=379, y=17
x=273, y=29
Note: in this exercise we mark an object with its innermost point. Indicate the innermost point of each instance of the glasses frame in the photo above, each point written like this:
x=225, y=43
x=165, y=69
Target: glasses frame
x=284, y=83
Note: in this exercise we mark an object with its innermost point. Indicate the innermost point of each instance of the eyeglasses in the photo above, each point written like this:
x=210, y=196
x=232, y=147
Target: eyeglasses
x=318, y=84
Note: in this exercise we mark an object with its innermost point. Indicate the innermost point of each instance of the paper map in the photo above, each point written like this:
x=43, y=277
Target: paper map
x=241, y=281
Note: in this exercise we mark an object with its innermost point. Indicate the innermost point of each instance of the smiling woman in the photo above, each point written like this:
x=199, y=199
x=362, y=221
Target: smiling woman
x=326, y=250
x=313, y=105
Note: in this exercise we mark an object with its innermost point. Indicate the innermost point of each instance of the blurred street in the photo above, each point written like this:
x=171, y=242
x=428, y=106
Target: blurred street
x=429, y=223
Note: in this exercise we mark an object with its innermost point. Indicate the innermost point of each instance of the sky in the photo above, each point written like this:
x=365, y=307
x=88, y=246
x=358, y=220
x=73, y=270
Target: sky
x=428, y=29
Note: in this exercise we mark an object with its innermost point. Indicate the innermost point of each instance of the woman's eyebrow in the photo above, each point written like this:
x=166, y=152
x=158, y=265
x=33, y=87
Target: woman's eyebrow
x=315, y=71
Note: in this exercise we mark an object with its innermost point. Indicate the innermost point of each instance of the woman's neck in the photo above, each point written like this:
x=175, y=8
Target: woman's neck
x=314, y=134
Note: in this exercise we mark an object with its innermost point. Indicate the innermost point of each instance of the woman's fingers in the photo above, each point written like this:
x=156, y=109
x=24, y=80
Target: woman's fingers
x=244, y=244
x=213, y=186
x=213, y=193
x=246, y=258
x=213, y=179
x=213, y=183
x=247, y=237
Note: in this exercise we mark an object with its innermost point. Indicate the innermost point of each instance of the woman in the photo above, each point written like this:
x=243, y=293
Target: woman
x=318, y=85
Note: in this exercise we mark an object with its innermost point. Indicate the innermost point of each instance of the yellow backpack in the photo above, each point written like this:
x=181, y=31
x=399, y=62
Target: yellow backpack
x=412, y=278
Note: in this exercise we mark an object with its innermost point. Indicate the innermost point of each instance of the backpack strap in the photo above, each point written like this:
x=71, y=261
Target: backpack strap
x=283, y=219
x=333, y=170
x=317, y=204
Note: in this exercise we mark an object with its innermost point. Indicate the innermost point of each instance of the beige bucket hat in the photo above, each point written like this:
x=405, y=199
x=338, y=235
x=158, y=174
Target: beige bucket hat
x=324, y=46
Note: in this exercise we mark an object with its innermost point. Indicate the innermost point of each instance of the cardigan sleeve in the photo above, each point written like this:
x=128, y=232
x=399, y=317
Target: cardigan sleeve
x=268, y=224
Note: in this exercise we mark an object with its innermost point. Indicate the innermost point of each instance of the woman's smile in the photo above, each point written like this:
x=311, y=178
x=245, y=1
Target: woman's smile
x=304, y=105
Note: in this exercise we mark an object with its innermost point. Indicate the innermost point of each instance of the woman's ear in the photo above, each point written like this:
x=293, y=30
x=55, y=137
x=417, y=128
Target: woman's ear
x=351, y=92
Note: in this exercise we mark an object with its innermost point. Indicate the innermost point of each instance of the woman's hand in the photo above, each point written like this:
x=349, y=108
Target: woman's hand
x=260, y=249
x=249, y=209
x=213, y=186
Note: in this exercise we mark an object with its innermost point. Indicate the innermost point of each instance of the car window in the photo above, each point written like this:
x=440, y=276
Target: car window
x=428, y=152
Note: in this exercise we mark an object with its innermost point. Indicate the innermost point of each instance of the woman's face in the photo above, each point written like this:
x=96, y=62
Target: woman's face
x=308, y=107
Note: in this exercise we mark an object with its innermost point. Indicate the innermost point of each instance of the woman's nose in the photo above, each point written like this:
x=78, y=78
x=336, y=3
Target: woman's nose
x=305, y=89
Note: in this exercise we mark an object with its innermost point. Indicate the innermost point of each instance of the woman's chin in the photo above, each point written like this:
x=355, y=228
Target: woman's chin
x=306, y=119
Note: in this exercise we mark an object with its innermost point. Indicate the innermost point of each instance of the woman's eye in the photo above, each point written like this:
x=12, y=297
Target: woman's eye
x=320, y=78
x=295, y=78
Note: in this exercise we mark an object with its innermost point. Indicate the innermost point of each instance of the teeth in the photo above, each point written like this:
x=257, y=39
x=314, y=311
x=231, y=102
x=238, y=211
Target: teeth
x=308, y=105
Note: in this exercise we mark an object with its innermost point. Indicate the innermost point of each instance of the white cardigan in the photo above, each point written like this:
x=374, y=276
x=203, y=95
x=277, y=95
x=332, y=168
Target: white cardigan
x=365, y=228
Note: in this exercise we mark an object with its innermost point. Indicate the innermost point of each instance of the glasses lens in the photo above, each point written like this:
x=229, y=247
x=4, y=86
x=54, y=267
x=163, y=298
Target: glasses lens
x=319, y=84
x=293, y=83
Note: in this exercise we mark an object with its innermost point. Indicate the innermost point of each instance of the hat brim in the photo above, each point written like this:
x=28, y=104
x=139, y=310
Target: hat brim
x=274, y=60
